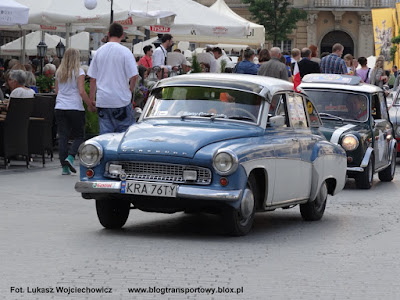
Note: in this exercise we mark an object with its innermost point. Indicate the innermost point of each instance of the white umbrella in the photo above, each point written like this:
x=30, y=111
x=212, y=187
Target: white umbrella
x=12, y=13
x=138, y=48
x=74, y=12
x=32, y=40
x=256, y=33
x=198, y=23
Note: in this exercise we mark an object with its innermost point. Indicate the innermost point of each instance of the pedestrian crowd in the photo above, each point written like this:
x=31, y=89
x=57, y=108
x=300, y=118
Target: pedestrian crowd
x=117, y=80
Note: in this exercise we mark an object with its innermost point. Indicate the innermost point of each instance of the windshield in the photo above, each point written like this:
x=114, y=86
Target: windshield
x=194, y=101
x=340, y=105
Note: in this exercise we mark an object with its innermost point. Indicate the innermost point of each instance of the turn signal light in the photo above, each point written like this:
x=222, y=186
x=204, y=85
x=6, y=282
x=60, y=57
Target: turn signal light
x=223, y=181
x=89, y=173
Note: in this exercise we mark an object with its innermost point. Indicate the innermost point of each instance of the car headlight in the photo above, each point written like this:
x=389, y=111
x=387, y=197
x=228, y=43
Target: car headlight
x=225, y=162
x=350, y=142
x=90, y=153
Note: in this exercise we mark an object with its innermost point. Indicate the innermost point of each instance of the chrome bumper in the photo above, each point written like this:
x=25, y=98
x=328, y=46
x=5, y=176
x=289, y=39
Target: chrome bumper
x=102, y=187
x=355, y=169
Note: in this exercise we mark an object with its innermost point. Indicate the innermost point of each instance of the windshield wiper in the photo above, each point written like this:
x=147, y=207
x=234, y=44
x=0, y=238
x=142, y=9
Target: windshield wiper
x=204, y=115
x=330, y=116
x=241, y=118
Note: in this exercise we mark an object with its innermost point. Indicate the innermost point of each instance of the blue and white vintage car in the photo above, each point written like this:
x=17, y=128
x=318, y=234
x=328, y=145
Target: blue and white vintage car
x=222, y=143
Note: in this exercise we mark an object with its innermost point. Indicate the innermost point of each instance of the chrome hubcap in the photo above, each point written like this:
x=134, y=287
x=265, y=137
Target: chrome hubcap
x=247, y=205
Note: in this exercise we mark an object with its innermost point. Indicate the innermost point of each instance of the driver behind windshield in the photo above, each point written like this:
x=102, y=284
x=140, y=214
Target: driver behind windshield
x=357, y=107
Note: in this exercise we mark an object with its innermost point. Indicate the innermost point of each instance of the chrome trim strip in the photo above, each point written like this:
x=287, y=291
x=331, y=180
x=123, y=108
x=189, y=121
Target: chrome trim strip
x=88, y=187
x=206, y=194
x=382, y=168
x=355, y=169
x=366, y=158
x=338, y=132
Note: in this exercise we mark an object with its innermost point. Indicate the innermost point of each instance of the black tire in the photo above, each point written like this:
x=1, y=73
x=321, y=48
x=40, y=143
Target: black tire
x=364, y=179
x=238, y=222
x=388, y=173
x=314, y=210
x=112, y=213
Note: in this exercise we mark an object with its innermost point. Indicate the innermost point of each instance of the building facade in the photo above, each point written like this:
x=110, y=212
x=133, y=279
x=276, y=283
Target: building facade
x=348, y=22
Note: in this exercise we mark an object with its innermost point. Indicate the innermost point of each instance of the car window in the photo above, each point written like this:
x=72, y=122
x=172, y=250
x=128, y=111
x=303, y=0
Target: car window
x=315, y=121
x=375, y=107
x=296, y=110
x=342, y=104
x=383, y=107
x=205, y=102
x=278, y=108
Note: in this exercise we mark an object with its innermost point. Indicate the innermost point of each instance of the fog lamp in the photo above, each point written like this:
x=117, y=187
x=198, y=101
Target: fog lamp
x=115, y=169
x=189, y=175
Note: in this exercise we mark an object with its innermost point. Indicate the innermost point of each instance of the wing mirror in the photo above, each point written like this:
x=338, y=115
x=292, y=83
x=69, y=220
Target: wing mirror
x=277, y=121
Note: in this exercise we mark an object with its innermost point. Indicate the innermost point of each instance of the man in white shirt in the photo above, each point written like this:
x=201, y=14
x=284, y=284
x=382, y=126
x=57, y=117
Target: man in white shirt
x=177, y=59
x=160, y=54
x=220, y=56
x=207, y=58
x=113, y=73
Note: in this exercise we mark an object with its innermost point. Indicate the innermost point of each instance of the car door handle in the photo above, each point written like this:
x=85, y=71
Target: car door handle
x=295, y=139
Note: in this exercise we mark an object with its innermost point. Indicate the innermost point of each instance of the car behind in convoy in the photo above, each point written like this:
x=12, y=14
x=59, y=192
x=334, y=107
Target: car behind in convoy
x=355, y=116
x=394, y=114
x=221, y=143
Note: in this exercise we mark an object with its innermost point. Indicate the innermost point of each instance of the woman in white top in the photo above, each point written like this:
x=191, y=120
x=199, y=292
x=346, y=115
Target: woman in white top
x=69, y=110
x=16, y=82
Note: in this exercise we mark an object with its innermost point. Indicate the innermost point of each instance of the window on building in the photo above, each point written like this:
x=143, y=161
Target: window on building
x=284, y=45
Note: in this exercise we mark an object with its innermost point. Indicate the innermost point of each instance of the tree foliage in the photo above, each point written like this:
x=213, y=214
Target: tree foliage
x=278, y=18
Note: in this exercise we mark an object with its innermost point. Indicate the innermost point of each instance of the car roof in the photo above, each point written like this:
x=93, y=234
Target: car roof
x=261, y=85
x=337, y=82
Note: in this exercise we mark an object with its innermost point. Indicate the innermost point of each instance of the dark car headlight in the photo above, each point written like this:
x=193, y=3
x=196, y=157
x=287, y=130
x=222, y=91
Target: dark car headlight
x=350, y=142
x=90, y=153
x=225, y=162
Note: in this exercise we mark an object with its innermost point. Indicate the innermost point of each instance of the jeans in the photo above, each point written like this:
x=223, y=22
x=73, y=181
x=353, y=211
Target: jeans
x=70, y=124
x=115, y=119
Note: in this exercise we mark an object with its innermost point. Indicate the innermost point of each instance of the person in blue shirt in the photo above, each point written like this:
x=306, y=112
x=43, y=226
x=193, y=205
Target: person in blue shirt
x=247, y=66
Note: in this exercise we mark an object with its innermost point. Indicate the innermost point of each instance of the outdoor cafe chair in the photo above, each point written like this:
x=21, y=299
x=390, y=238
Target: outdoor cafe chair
x=41, y=125
x=14, y=130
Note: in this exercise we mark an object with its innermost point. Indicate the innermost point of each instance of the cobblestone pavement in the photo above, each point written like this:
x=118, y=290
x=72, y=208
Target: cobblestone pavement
x=51, y=238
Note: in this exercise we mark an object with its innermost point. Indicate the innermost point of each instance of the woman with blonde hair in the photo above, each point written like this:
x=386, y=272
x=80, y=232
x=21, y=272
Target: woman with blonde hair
x=69, y=110
x=378, y=76
x=348, y=59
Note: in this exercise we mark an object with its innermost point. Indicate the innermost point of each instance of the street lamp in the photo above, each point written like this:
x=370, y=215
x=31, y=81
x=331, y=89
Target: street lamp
x=91, y=4
x=41, y=53
x=60, y=50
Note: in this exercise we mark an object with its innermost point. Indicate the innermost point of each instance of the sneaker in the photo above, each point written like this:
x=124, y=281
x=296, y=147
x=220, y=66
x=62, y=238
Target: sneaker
x=65, y=171
x=70, y=163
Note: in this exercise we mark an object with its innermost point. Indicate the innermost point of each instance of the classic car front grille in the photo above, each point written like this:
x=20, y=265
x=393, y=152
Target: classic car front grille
x=160, y=172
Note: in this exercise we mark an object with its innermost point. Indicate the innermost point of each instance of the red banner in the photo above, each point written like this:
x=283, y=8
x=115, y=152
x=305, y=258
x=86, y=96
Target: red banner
x=160, y=28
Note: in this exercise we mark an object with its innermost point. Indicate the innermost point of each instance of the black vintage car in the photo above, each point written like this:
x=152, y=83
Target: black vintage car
x=355, y=116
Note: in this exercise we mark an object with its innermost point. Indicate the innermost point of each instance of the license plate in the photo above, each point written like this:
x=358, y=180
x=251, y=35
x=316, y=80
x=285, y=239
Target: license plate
x=149, y=188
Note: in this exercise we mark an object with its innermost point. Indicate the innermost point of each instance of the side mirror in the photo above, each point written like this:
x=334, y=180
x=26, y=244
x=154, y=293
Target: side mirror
x=277, y=121
x=137, y=112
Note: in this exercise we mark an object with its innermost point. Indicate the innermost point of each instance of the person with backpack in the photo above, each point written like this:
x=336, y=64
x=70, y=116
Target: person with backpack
x=364, y=72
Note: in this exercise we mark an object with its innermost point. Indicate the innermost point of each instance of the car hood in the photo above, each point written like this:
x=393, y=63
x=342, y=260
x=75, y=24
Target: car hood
x=333, y=129
x=180, y=138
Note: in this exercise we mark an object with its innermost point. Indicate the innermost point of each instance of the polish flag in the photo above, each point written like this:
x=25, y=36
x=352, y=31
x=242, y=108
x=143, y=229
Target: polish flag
x=296, y=77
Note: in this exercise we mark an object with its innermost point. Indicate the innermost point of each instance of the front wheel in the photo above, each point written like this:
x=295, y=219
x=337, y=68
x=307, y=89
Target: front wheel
x=314, y=210
x=364, y=180
x=388, y=173
x=112, y=213
x=238, y=222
